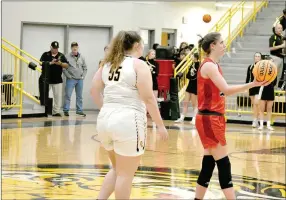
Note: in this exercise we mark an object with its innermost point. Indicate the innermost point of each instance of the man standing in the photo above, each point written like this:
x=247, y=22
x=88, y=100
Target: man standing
x=57, y=61
x=75, y=75
x=276, y=44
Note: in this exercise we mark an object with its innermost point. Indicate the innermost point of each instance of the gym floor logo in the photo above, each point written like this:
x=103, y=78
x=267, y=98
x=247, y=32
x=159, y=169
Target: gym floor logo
x=149, y=183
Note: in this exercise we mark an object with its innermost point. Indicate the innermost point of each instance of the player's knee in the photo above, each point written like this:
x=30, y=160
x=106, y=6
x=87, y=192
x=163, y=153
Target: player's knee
x=269, y=108
x=224, y=173
x=208, y=166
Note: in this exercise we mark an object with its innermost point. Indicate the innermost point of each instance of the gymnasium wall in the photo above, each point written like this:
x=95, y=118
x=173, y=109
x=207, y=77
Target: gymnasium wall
x=120, y=15
x=36, y=38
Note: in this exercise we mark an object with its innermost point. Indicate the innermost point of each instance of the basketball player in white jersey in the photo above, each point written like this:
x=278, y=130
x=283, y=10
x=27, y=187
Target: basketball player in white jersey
x=126, y=84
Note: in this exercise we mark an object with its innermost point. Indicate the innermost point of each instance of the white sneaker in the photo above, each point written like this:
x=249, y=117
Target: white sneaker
x=260, y=128
x=179, y=120
x=254, y=124
x=270, y=128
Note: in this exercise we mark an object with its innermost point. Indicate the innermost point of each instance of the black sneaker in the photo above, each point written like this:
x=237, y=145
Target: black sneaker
x=81, y=114
x=57, y=115
x=66, y=114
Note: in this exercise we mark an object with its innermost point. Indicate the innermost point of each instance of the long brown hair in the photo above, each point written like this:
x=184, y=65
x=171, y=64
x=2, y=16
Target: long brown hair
x=205, y=42
x=123, y=42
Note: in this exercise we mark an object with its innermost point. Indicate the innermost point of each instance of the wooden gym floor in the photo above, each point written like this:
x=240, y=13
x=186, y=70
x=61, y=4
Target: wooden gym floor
x=60, y=158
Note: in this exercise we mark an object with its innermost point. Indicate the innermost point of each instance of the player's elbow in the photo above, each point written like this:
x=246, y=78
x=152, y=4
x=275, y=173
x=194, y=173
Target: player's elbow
x=226, y=91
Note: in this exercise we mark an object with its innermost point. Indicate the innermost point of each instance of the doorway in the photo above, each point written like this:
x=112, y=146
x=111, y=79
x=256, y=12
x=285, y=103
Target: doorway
x=169, y=37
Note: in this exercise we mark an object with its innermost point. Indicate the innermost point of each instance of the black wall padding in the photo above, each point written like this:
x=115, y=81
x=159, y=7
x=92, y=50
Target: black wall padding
x=165, y=53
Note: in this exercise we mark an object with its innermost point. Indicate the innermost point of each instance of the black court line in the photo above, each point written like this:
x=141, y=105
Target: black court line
x=142, y=168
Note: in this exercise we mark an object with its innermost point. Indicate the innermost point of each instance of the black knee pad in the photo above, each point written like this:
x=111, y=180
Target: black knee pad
x=224, y=173
x=206, y=173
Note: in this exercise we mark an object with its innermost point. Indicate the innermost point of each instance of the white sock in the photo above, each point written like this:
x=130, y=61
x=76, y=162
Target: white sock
x=268, y=123
x=255, y=120
x=182, y=117
x=261, y=122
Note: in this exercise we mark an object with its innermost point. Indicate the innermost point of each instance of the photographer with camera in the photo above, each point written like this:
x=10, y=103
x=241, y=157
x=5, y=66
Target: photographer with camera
x=57, y=61
x=276, y=45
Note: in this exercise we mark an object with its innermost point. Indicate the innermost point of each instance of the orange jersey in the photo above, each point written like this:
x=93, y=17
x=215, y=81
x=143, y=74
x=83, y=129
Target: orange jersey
x=209, y=96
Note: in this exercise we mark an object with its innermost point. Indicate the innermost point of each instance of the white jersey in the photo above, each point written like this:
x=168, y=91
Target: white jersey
x=120, y=89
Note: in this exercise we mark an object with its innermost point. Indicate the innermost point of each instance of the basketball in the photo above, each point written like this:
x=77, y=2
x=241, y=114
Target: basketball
x=265, y=70
x=207, y=18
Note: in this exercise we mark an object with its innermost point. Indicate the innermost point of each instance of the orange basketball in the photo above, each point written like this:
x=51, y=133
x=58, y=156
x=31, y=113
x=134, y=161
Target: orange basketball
x=207, y=18
x=265, y=70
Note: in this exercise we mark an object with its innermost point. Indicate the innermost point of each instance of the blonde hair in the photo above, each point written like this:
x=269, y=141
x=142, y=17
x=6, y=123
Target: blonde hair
x=123, y=42
x=147, y=56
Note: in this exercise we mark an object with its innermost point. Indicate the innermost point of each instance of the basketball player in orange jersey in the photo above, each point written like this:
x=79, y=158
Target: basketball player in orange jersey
x=122, y=89
x=210, y=121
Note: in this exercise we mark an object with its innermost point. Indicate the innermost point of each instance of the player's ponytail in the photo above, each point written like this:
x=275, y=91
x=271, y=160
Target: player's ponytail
x=122, y=43
x=205, y=42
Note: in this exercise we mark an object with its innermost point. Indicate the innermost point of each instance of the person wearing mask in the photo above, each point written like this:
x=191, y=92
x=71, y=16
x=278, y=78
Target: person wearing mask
x=154, y=68
x=75, y=75
x=57, y=62
x=191, y=91
x=253, y=92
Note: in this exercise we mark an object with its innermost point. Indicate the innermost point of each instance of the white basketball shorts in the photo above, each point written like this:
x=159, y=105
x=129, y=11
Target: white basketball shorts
x=123, y=130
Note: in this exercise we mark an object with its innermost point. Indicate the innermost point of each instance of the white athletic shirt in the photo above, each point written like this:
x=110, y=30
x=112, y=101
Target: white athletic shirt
x=120, y=89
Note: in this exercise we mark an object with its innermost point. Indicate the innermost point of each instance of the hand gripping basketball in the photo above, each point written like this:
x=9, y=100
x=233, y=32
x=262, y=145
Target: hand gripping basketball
x=265, y=70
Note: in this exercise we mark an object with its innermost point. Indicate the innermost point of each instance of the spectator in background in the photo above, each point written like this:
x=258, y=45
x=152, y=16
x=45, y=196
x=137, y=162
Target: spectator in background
x=187, y=50
x=191, y=91
x=155, y=46
x=191, y=46
x=253, y=92
x=183, y=45
x=75, y=75
x=178, y=55
x=276, y=44
x=181, y=57
x=154, y=68
x=57, y=61
x=266, y=96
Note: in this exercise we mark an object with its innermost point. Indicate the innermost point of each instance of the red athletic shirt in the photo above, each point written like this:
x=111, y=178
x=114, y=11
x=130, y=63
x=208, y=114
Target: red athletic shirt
x=209, y=96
